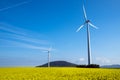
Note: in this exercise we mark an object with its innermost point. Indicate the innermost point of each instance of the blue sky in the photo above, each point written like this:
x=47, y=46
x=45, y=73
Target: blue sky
x=29, y=26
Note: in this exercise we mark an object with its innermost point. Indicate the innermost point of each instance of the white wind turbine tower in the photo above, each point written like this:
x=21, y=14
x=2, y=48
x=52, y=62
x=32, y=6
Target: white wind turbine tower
x=48, y=51
x=88, y=24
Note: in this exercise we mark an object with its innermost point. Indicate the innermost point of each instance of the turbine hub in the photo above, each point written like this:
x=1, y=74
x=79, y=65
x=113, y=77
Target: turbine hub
x=87, y=21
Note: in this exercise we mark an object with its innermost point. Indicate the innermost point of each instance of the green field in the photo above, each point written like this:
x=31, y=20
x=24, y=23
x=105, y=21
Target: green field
x=59, y=74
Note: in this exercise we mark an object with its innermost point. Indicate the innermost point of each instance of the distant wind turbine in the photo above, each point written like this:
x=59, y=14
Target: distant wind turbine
x=87, y=23
x=48, y=51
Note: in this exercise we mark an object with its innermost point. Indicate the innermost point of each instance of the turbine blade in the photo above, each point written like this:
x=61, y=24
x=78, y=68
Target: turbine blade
x=85, y=16
x=92, y=25
x=79, y=28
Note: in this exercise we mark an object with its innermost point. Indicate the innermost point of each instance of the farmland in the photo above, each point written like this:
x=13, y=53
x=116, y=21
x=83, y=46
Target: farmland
x=58, y=74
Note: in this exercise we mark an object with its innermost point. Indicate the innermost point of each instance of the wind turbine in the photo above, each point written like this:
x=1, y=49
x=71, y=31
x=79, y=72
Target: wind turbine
x=88, y=24
x=48, y=51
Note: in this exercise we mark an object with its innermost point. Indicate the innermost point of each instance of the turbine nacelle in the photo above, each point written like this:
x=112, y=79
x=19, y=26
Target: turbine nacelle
x=87, y=21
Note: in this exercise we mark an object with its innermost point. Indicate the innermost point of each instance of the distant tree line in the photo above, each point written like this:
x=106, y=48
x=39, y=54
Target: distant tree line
x=89, y=66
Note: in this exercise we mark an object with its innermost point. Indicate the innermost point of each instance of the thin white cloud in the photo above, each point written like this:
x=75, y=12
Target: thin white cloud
x=17, y=30
x=20, y=34
x=16, y=36
x=23, y=38
x=22, y=45
x=82, y=59
x=103, y=60
x=11, y=29
x=16, y=5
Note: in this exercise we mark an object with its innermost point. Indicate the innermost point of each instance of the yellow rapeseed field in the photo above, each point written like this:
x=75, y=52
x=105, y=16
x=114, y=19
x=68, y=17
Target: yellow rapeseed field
x=59, y=74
